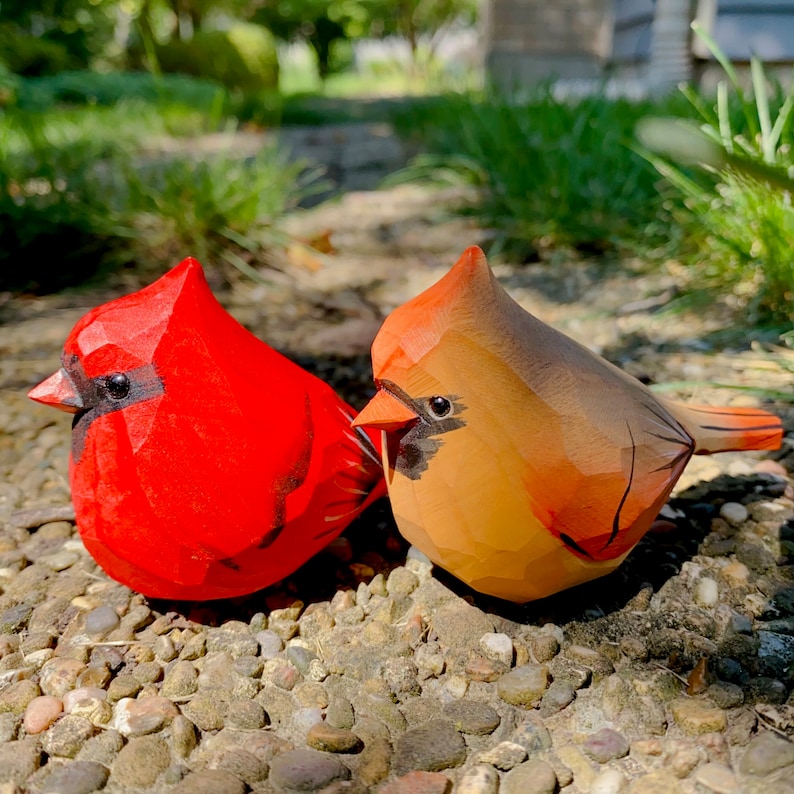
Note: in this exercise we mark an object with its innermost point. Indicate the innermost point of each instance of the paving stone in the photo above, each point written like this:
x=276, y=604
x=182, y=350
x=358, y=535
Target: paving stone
x=431, y=747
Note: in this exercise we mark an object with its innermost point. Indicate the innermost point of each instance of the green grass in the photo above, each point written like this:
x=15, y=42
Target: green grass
x=734, y=213
x=77, y=195
x=551, y=172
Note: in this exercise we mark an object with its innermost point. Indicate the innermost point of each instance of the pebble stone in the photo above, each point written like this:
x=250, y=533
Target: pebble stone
x=431, y=747
x=66, y=736
x=374, y=762
x=418, y=782
x=718, y=778
x=605, y=745
x=533, y=735
x=498, y=647
x=504, y=755
x=101, y=621
x=18, y=696
x=609, y=781
x=322, y=736
x=734, y=513
x=41, y=712
x=141, y=761
x=78, y=777
x=306, y=770
x=544, y=646
x=707, y=592
x=766, y=753
x=698, y=716
x=143, y=716
x=558, y=696
x=525, y=685
x=210, y=781
x=472, y=717
x=183, y=736
x=73, y=698
x=20, y=759
x=479, y=779
x=533, y=777
x=242, y=764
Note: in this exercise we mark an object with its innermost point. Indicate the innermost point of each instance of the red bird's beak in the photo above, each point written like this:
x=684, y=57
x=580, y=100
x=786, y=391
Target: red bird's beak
x=385, y=412
x=58, y=392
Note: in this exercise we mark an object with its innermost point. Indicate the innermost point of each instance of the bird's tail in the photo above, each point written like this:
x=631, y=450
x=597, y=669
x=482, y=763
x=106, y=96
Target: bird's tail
x=716, y=429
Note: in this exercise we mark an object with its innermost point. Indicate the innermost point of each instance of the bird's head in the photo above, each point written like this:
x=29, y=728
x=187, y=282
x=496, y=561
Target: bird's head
x=110, y=347
x=423, y=358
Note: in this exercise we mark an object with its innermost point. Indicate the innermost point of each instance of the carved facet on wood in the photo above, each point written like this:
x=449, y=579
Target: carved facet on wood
x=204, y=464
x=515, y=457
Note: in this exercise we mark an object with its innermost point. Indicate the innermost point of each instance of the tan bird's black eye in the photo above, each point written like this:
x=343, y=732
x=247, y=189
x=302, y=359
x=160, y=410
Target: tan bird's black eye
x=439, y=406
x=118, y=386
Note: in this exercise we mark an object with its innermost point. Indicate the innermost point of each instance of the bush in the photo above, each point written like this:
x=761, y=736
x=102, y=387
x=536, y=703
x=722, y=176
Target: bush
x=31, y=56
x=243, y=58
x=93, y=88
x=76, y=195
x=57, y=219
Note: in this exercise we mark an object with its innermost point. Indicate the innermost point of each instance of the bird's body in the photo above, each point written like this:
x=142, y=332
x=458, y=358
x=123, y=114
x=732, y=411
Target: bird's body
x=516, y=458
x=204, y=464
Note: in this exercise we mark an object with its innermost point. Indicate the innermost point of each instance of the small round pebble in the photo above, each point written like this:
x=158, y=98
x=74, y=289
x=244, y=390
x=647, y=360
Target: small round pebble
x=472, y=717
x=696, y=717
x=66, y=736
x=532, y=735
x=605, y=745
x=498, y=647
x=766, y=753
x=533, y=777
x=707, y=592
x=417, y=782
x=504, y=755
x=525, y=685
x=41, y=712
x=210, y=781
x=101, y=621
x=734, y=513
x=717, y=778
x=141, y=761
x=544, y=646
x=431, y=747
x=71, y=699
x=558, y=696
x=322, y=736
x=609, y=781
x=18, y=696
x=480, y=779
x=78, y=777
x=304, y=719
x=306, y=770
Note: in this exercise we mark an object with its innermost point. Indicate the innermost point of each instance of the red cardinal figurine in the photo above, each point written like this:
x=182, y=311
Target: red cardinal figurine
x=204, y=464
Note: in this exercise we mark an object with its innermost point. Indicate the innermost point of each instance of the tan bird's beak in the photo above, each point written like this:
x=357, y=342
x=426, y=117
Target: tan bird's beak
x=58, y=392
x=385, y=412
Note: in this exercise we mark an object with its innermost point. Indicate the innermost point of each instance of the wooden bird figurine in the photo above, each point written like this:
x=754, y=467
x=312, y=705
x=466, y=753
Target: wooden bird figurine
x=516, y=458
x=204, y=464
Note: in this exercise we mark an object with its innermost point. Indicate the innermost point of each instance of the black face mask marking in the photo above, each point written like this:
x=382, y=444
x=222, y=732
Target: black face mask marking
x=106, y=394
x=411, y=449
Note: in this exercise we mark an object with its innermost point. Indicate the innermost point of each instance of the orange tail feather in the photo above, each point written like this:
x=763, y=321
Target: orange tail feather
x=717, y=429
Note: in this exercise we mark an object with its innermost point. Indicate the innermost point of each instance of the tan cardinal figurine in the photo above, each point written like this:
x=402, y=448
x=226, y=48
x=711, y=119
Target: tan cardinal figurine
x=517, y=459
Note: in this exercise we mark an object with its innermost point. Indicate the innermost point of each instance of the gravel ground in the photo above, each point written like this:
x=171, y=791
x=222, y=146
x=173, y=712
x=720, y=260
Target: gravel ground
x=368, y=670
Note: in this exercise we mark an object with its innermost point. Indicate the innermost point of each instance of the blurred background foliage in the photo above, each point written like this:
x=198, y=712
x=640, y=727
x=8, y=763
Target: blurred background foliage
x=87, y=86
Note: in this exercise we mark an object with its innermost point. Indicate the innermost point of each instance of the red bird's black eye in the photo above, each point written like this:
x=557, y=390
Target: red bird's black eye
x=440, y=406
x=118, y=386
